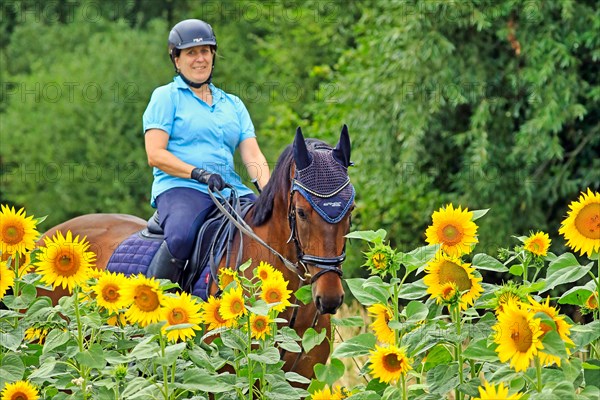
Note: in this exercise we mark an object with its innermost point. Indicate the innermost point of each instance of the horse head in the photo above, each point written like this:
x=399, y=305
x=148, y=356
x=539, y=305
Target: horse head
x=320, y=204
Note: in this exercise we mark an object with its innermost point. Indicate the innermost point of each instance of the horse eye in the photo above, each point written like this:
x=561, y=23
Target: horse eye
x=301, y=213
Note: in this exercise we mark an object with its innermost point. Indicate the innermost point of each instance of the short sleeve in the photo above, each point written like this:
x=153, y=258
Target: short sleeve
x=160, y=111
x=246, y=125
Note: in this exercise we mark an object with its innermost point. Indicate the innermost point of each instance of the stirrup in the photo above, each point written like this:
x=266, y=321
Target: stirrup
x=165, y=266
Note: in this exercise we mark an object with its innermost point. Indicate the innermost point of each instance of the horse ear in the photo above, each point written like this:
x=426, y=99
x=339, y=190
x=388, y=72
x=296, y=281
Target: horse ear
x=342, y=150
x=301, y=155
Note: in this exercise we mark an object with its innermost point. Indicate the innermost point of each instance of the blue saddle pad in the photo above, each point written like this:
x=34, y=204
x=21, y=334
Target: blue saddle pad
x=134, y=255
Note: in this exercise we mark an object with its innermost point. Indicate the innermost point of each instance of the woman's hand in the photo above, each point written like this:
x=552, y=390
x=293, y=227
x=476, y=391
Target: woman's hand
x=214, y=181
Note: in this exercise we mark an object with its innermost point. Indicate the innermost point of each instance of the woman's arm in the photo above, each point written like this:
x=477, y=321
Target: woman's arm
x=161, y=158
x=255, y=161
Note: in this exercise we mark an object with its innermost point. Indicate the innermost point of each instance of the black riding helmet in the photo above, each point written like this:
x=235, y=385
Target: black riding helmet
x=190, y=33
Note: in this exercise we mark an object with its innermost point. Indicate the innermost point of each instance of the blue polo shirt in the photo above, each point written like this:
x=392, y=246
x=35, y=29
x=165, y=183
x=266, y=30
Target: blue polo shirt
x=199, y=134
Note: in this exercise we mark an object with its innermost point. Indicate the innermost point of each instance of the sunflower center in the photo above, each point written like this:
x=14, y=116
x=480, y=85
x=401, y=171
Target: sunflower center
x=146, y=299
x=259, y=324
x=522, y=336
x=392, y=363
x=218, y=317
x=450, y=235
x=273, y=296
x=263, y=275
x=451, y=272
x=177, y=316
x=236, y=307
x=66, y=264
x=13, y=234
x=587, y=221
x=110, y=293
x=379, y=261
x=19, y=396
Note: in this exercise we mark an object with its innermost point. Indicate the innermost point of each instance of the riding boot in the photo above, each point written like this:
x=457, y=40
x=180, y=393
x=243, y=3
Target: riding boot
x=165, y=266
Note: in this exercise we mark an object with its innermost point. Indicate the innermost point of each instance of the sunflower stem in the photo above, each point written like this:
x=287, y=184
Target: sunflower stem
x=403, y=383
x=538, y=373
x=249, y=360
x=17, y=284
x=165, y=369
x=455, y=313
x=80, y=339
x=396, y=314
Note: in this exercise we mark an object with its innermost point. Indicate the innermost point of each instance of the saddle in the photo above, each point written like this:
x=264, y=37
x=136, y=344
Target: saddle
x=213, y=241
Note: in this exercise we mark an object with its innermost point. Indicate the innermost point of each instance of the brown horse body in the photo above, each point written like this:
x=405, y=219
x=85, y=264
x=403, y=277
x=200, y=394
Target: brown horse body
x=314, y=235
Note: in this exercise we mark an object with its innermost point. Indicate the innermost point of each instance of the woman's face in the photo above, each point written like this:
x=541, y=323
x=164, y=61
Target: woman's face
x=195, y=63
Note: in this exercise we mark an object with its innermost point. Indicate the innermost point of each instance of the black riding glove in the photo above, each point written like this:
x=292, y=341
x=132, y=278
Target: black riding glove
x=214, y=181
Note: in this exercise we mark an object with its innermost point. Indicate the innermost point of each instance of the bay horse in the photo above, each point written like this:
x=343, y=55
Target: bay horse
x=303, y=214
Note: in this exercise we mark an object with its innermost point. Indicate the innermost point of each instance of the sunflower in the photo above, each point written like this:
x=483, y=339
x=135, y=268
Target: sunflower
x=518, y=335
x=581, y=228
x=146, y=298
x=260, y=325
x=36, y=335
x=265, y=271
x=7, y=278
x=383, y=315
x=232, y=305
x=538, y=243
x=117, y=319
x=18, y=233
x=181, y=309
x=327, y=394
x=592, y=302
x=65, y=261
x=388, y=363
x=444, y=269
x=210, y=314
x=20, y=390
x=508, y=292
x=24, y=262
x=226, y=277
x=491, y=392
x=454, y=229
x=275, y=291
x=449, y=293
x=109, y=291
x=562, y=328
x=381, y=259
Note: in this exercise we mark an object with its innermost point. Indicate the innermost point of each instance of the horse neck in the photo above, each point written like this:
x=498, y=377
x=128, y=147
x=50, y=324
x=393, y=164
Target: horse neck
x=275, y=232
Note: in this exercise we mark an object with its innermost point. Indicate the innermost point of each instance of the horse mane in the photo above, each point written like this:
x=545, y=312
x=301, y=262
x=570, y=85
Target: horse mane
x=279, y=182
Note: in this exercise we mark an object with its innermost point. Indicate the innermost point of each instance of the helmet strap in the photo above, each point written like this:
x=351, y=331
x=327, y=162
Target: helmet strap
x=194, y=84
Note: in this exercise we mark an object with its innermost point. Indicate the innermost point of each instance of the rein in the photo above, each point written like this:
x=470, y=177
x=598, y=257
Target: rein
x=239, y=222
x=325, y=264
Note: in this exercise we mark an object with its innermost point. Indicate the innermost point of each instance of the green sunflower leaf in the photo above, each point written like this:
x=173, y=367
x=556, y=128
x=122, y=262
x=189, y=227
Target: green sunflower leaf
x=488, y=263
x=357, y=346
x=370, y=236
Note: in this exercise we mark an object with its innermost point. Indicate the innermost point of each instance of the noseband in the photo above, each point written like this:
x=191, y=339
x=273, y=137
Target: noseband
x=325, y=264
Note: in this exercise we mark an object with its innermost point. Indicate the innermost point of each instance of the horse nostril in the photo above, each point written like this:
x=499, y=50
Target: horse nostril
x=318, y=303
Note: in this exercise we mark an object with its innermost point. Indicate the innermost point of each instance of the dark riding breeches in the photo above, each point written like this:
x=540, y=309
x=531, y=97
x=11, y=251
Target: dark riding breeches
x=182, y=212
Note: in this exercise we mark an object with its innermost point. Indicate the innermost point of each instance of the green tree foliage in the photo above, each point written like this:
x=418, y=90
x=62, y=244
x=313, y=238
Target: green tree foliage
x=71, y=133
x=482, y=104
x=486, y=104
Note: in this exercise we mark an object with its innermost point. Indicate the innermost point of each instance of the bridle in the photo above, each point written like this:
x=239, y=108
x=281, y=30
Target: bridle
x=324, y=264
